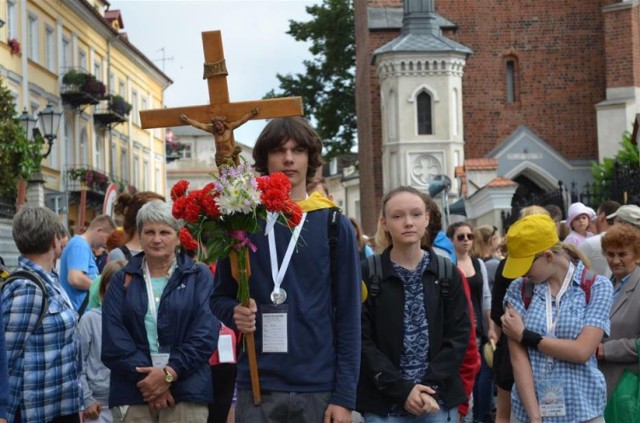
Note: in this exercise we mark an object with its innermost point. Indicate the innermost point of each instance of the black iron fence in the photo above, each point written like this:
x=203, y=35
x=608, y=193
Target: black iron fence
x=624, y=187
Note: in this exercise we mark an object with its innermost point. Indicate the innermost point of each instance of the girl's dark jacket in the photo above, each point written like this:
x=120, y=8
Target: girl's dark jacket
x=381, y=386
x=186, y=327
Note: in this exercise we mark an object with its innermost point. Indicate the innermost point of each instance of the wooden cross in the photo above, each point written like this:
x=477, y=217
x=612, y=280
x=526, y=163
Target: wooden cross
x=215, y=72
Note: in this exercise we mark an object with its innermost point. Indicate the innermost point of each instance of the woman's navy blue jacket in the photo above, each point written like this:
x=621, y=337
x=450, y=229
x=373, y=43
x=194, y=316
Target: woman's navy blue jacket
x=186, y=327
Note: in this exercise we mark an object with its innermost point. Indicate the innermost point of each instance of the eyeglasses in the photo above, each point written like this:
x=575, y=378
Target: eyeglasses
x=461, y=237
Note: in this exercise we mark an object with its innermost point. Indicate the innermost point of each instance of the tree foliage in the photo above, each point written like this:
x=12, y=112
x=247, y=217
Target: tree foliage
x=19, y=158
x=327, y=86
x=627, y=157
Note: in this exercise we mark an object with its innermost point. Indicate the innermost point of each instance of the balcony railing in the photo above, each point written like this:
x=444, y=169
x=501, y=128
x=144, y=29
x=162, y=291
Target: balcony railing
x=105, y=115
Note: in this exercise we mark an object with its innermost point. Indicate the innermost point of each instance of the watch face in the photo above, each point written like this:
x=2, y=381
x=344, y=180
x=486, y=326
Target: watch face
x=168, y=377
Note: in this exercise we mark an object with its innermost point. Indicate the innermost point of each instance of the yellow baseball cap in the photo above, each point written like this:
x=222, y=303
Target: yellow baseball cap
x=526, y=238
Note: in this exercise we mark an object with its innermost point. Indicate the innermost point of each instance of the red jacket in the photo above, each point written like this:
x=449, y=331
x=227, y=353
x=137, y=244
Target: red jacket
x=471, y=362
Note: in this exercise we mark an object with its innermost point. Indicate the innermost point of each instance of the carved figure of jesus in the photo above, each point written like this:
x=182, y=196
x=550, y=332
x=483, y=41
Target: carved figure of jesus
x=227, y=151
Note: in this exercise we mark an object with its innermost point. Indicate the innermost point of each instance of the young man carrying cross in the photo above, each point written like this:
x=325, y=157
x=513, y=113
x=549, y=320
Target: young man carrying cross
x=307, y=326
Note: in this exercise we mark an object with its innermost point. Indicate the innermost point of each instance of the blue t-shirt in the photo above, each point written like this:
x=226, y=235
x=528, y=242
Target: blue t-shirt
x=77, y=256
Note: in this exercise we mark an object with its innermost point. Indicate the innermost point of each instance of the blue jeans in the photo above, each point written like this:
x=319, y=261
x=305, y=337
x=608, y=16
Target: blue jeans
x=482, y=393
x=441, y=416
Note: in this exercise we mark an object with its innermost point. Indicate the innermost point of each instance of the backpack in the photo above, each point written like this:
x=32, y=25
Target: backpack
x=332, y=232
x=33, y=277
x=586, y=281
x=445, y=275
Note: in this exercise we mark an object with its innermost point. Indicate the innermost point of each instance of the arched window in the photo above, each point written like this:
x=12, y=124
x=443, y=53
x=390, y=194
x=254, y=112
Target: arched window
x=511, y=70
x=425, y=122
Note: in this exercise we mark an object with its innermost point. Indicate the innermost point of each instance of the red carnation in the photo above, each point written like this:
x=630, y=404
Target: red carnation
x=179, y=188
x=209, y=205
x=279, y=180
x=178, y=207
x=187, y=240
x=293, y=212
x=191, y=211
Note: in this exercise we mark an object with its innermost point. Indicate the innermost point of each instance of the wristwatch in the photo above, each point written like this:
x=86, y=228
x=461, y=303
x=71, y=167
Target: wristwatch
x=168, y=377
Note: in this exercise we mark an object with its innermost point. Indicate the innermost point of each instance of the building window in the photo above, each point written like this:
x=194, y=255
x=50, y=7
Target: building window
x=33, y=38
x=512, y=77
x=158, y=180
x=121, y=89
x=112, y=83
x=146, y=175
x=144, y=104
x=12, y=19
x=136, y=171
x=84, y=148
x=425, y=126
x=112, y=161
x=186, y=152
x=136, y=109
x=82, y=60
x=124, y=164
x=50, y=49
x=66, y=54
x=99, y=152
x=97, y=70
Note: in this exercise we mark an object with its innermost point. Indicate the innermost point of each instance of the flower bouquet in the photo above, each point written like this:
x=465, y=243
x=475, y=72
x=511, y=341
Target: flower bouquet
x=219, y=218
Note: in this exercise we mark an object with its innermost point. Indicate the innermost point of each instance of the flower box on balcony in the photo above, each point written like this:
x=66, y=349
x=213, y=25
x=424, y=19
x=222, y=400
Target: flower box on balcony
x=93, y=180
x=112, y=110
x=80, y=88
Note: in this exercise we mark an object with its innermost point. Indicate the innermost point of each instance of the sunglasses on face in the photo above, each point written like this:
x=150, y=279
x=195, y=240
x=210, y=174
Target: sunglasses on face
x=461, y=237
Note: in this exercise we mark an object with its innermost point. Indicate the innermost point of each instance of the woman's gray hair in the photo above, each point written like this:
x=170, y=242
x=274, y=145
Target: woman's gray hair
x=156, y=211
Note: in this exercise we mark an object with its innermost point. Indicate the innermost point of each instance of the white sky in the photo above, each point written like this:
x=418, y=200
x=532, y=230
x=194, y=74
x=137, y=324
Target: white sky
x=256, y=45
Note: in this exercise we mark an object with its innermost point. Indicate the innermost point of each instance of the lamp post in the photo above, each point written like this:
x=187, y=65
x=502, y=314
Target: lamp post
x=49, y=122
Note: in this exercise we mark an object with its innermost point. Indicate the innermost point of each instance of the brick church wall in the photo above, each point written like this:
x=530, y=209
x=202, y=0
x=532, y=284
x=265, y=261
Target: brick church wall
x=561, y=70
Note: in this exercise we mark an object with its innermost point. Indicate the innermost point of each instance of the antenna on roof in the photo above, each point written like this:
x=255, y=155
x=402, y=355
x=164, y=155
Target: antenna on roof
x=163, y=59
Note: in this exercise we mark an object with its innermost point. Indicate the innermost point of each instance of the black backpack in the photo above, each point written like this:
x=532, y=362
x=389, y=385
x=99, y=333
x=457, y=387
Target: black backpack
x=445, y=275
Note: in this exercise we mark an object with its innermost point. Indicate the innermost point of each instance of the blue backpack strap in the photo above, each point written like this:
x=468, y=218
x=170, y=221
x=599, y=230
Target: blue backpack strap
x=332, y=233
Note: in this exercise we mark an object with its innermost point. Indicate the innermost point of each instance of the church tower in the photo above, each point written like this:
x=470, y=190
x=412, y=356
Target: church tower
x=420, y=76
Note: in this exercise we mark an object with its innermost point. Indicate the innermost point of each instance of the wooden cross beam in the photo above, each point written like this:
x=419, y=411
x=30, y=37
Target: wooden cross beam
x=216, y=74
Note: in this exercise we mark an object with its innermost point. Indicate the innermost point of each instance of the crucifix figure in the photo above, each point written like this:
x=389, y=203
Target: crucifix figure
x=223, y=115
x=226, y=149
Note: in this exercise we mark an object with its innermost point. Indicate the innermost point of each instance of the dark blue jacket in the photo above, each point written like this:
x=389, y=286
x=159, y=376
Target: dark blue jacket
x=185, y=325
x=324, y=345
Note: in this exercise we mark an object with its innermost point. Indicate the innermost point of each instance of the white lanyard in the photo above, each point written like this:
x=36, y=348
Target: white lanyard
x=277, y=272
x=551, y=318
x=150, y=296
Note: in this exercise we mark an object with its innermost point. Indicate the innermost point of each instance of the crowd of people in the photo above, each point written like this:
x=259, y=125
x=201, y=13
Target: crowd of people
x=418, y=323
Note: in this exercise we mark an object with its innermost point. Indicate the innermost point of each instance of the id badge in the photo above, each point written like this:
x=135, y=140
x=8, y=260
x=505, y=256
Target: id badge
x=226, y=353
x=274, y=328
x=551, y=398
x=160, y=360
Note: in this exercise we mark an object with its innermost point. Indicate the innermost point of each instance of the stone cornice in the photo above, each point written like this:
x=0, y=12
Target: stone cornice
x=394, y=66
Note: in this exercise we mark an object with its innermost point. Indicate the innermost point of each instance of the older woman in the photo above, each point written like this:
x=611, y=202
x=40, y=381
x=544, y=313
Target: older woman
x=621, y=248
x=158, y=330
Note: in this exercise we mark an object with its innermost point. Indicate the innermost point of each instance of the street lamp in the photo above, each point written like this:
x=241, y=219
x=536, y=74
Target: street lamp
x=28, y=123
x=49, y=122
